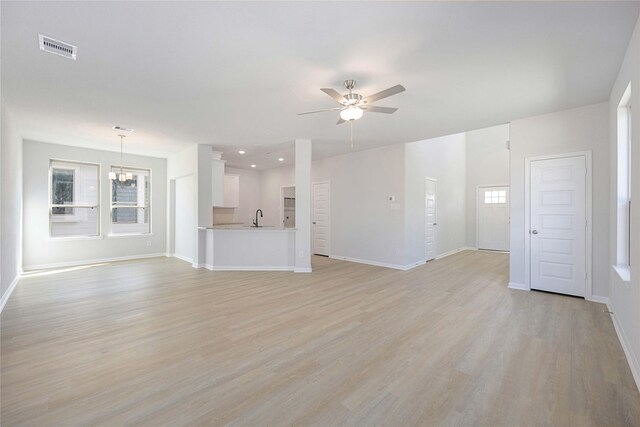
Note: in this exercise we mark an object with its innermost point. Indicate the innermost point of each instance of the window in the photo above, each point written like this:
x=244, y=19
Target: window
x=74, y=208
x=624, y=181
x=131, y=202
x=497, y=196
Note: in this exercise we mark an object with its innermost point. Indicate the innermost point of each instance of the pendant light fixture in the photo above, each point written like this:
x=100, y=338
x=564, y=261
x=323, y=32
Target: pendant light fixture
x=122, y=177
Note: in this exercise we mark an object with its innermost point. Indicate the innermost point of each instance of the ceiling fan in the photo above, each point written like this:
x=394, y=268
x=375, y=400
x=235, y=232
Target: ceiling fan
x=354, y=105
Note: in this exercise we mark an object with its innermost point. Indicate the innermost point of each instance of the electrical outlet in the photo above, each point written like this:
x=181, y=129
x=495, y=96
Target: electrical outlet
x=300, y=254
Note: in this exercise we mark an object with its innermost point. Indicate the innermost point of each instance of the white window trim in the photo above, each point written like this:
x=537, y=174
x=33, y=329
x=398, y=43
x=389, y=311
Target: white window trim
x=126, y=169
x=623, y=201
x=98, y=234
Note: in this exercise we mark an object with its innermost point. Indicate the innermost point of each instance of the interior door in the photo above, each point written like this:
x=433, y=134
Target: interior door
x=558, y=225
x=493, y=218
x=321, y=225
x=430, y=232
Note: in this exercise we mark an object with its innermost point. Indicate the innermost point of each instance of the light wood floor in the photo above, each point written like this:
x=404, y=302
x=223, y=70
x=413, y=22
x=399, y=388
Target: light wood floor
x=157, y=342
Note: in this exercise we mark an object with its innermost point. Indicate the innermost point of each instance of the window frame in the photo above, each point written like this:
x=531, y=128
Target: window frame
x=53, y=218
x=623, y=186
x=125, y=169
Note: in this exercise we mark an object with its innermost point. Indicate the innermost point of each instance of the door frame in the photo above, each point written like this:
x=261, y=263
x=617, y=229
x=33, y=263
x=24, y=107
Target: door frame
x=424, y=219
x=478, y=187
x=313, y=212
x=588, y=211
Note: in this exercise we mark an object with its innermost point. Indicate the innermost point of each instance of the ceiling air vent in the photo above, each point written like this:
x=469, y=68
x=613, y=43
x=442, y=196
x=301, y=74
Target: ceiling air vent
x=56, y=46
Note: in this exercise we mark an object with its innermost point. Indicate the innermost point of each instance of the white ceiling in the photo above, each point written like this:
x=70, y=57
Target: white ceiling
x=235, y=74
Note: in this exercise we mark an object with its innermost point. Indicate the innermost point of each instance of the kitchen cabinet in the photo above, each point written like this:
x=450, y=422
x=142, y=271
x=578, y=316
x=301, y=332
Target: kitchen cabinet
x=231, y=191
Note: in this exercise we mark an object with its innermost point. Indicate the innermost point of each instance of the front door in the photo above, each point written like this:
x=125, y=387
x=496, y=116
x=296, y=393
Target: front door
x=493, y=218
x=558, y=225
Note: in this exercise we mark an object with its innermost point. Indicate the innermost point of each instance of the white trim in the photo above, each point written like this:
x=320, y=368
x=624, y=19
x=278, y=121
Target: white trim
x=182, y=257
x=8, y=292
x=633, y=364
x=623, y=272
x=589, y=216
x=370, y=262
x=302, y=269
x=249, y=268
x=519, y=286
x=600, y=299
x=478, y=187
x=90, y=261
x=446, y=254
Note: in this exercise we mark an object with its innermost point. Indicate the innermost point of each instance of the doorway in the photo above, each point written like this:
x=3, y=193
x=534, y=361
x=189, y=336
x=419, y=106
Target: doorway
x=321, y=224
x=288, y=206
x=430, y=219
x=493, y=218
x=558, y=224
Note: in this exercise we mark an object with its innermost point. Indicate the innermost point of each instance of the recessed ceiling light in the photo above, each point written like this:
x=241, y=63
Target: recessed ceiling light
x=253, y=166
x=241, y=152
x=281, y=159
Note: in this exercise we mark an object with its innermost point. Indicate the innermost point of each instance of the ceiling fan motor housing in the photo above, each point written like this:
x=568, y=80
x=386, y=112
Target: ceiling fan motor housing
x=353, y=98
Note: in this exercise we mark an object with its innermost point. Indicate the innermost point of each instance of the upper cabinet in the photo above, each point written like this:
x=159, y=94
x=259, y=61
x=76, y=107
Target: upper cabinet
x=231, y=191
x=217, y=182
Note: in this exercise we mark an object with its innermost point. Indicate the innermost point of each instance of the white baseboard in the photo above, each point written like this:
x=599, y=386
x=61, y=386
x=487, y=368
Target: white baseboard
x=182, y=257
x=90, y=261
x=518, y=286
x=631, y=359
x=369, y=262
x=302, y=269
x=249, y=268
x=598, y=298
x=455, y=251
x=8, y=292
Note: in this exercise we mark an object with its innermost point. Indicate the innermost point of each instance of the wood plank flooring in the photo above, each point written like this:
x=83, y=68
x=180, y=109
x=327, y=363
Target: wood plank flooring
x=156, y=342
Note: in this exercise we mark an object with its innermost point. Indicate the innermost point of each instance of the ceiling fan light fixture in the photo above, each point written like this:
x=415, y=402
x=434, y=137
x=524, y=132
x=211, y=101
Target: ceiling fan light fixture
x=351, y=113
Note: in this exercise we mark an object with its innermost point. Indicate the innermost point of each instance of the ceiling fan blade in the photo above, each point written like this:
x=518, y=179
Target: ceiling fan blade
x=340, y=121
x=384, y=110
x=319, y=111
x=385, y=93
x=334, y=94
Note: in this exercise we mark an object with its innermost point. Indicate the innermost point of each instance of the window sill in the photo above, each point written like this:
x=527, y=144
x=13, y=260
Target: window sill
x=64, y=238
x=624, y=272
x=110, y=236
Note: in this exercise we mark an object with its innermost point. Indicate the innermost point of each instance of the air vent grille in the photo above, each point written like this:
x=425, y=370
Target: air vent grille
x=56, y=46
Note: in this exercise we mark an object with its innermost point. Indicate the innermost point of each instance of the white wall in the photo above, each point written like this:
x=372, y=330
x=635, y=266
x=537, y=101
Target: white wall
x=363, y=226
x=487, y=164
x=443, y=159
x=579, y=129
x=184, y=218
x=11, y=200
x=40, y=251
x=625, y=297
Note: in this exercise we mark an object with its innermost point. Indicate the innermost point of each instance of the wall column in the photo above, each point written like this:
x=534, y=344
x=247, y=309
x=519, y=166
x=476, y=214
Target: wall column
x=303, y=206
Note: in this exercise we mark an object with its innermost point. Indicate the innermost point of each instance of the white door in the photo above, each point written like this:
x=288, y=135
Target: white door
x=430, y=223
x=493, y=218
x=321, y=224
x=184, y=218
x=558, y=225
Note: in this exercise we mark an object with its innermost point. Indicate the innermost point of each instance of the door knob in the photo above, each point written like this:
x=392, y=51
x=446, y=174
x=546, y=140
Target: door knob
x=435, y=223
x=314, y=222
x=534, y=231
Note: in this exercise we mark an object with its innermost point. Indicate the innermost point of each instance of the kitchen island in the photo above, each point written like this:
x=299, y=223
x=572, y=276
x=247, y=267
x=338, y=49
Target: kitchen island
x=245, y=248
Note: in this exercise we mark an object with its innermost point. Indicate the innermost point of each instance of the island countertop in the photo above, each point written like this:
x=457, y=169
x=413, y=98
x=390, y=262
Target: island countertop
x=246, y=228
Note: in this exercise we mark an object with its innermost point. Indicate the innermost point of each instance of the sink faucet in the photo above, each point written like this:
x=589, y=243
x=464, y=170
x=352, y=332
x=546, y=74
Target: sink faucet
x=255, y=223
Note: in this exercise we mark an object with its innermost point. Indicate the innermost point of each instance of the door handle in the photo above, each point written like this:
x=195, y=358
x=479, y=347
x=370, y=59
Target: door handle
x=534, y=231
x=435, y=223
x=314, y=222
